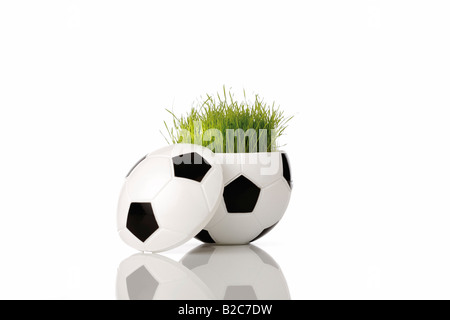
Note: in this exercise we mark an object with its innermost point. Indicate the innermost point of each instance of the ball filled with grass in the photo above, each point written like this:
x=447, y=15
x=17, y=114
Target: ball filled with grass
x=257, y=176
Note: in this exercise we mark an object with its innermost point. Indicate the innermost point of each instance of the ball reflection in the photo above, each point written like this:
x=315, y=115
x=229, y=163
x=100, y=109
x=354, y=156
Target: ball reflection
x=238, y=272
x=207, y=272
x=155, y=277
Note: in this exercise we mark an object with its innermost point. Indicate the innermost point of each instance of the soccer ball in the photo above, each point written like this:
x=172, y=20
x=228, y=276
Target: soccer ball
x=256, y=195
x=237, y=272
x=168, y=197
x=154, y=277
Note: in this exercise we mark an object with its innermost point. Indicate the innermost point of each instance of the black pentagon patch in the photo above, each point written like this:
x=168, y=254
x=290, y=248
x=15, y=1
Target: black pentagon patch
x=205, y=236
x=265, y=231
x=241, y=195
x=141, y=285
x=190, y=166
x=141, y=220
x=137, y=163
x=286, y=169
x=240, y=293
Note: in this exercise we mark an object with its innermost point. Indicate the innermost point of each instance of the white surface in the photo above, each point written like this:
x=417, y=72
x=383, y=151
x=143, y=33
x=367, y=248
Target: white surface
x=83, y=87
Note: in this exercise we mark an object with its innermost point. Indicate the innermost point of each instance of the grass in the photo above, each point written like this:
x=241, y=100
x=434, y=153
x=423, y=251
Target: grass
x=223, y=124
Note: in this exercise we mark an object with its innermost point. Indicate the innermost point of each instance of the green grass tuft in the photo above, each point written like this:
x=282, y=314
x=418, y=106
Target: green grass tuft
x=224, y=114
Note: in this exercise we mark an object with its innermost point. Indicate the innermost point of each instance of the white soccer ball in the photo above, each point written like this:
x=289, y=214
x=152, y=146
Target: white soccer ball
x=155, y=277
x=238, y=272
x=256, y=195
x=168, y=197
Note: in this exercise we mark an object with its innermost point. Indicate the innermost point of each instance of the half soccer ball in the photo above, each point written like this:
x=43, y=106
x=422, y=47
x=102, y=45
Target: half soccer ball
x=168, y=197
x=256, y=195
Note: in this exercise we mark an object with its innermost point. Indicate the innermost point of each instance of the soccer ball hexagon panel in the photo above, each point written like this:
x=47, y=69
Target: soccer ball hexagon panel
x=165, y=199
x=256, y=195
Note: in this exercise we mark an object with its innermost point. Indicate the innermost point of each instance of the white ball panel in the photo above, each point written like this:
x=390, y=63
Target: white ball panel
x=212, y=279
x=122, y=208
x=131, y=240
x=262, y=169
x=162, y=237
x=147, y=180
x=236, y=228
x=219, y=214
x=231, y=165
x=211, y=188
x=271, y=284
x=272, y=203
x=186, y=212
x=235, y=264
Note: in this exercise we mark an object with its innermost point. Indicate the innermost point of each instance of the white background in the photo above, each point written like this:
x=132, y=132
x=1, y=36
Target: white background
x=84, y=85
